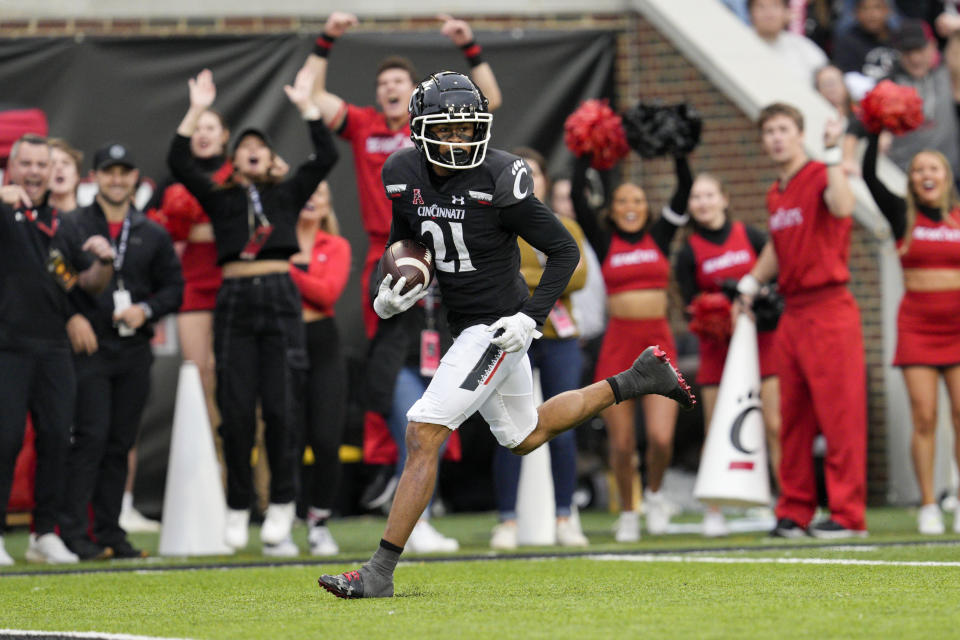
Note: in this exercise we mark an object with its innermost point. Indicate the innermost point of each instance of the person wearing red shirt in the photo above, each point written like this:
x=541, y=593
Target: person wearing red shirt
x=719, y=250
x=374, y=133
x=820, y=345
x=320, y=271
x=926, y=227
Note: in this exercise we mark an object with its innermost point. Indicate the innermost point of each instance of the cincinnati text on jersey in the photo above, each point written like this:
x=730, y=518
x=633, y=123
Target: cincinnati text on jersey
x=436, y=211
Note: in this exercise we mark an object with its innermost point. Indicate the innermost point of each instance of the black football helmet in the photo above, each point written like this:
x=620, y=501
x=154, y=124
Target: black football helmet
x=444, y=98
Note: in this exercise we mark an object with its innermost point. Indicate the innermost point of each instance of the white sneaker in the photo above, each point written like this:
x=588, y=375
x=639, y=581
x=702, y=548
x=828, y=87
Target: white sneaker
x=504, y=536
x=627, y=527
x=425, y=539
x=5, y=559
x=322, y=542
x=930, y=520
x=277, y=522
x=714, y=524
x=657, y=511
x=569, y=534
x=132, y=521
x=284, y=549
x=237, y=528
x=49, y=549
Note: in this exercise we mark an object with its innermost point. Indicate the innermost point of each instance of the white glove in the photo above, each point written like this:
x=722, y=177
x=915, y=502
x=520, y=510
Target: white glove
x=390, y=301
x=517, y=330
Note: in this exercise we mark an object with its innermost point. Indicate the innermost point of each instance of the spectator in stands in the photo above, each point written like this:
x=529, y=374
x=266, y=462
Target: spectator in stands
x=718, y=250
x=926, y=227
x=66, y=167
x=114, y=380
x=938, y=88
x=320, y=270
x=259, y=342
x=373, y=135
x=35, y=362
x=589, y=302
x=864, y=51
x=829, y=83
x=557, y=356
x=820, y=346
x=770, y=17
x=633, y=248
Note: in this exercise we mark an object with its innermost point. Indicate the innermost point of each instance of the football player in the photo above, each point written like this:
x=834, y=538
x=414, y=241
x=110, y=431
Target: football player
x=469, y=204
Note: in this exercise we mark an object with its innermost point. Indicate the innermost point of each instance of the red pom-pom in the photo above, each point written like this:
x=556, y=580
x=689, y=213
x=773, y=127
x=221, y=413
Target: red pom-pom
x=179, y=211
x=596, y=129
x=891, y=107
x=710, y=317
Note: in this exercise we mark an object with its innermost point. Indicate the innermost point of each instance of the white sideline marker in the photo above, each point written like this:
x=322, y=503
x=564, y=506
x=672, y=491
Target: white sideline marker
x=817, y=561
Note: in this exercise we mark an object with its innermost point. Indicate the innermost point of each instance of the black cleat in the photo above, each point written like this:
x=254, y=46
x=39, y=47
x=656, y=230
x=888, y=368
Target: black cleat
x=787, y=528
x=833, y=530
x=652, y=372
x=349, y=585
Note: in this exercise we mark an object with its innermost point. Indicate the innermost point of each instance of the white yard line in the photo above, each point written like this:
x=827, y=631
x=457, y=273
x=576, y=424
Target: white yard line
x=97, y=635
x=723, y=560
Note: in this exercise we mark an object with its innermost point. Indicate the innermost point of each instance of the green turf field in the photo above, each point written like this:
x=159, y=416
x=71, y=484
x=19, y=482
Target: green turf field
x=893, y=584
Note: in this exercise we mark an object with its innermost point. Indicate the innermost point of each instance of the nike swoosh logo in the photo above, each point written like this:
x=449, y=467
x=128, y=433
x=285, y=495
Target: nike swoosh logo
x=519, y=195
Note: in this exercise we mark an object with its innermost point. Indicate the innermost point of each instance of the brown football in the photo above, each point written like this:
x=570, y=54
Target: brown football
x=410, y=259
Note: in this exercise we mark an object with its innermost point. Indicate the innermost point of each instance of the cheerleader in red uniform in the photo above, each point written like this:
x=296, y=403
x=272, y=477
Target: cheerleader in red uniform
x=926, y=227
x=320, y=271
x=719, y=250
x=633, y=250
x=183, y=217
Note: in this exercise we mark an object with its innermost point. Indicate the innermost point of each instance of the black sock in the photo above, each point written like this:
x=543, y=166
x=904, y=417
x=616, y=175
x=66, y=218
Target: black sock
x=616, y=389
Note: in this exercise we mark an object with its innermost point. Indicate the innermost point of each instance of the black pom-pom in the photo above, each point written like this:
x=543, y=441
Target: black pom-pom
x=656, y=130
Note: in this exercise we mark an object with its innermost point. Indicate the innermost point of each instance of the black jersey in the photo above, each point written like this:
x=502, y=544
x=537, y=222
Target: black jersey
x=471, y=220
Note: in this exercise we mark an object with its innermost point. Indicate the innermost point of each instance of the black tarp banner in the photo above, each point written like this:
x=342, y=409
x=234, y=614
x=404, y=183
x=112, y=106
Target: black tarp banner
x=134, y=90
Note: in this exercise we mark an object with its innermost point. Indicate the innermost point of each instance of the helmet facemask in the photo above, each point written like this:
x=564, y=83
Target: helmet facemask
x=459, y=153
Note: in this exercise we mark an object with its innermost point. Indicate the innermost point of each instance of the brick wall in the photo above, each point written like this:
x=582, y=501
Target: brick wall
x=648, y=67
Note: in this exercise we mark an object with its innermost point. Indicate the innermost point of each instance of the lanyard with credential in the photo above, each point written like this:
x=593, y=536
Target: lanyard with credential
x=260, y=229
x=121, y=250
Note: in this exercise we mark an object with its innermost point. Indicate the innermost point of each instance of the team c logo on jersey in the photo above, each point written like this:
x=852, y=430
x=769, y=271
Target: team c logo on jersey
x=519, y=169
x=417, y=198
x=784, y=218
x=726, y=260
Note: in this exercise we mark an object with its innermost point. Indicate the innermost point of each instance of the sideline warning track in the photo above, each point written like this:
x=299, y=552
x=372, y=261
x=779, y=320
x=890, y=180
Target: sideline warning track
x=690, y=554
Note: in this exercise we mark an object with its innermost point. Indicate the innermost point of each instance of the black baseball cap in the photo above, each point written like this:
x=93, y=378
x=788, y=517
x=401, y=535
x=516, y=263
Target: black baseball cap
x=113, y=154
x=910, y=36
x=252, y=131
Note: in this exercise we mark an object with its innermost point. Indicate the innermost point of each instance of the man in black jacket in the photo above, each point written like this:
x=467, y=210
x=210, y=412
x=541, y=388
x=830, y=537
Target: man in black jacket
x=38, y=264
x=113, y=380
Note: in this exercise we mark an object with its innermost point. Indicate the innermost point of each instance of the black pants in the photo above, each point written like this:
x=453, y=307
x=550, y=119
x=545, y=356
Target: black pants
x=112, y=389
x=325, y=406
x=259, y=347
x=40, y=379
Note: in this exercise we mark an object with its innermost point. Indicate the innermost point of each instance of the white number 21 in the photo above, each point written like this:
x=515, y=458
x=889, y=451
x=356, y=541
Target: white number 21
x=440, y=247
